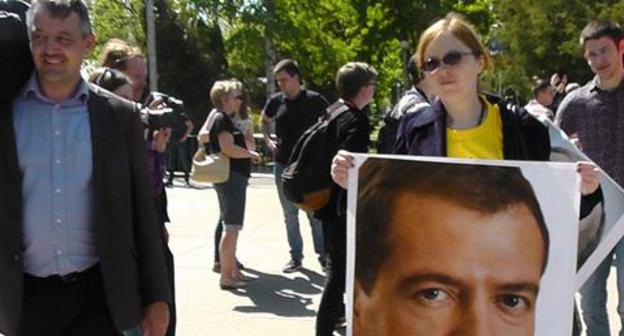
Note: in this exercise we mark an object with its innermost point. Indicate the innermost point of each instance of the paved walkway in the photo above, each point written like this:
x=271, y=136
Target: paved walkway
x=275, y=304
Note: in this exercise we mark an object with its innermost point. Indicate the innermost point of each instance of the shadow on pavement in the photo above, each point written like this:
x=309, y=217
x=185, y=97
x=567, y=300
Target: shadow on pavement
x=280, y=295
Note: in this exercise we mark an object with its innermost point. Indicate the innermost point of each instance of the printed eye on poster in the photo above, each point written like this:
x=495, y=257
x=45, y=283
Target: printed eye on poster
x=440, y=246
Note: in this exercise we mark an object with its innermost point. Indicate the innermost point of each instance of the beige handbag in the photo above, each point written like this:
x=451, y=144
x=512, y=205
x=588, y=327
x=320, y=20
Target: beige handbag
x=213, y=168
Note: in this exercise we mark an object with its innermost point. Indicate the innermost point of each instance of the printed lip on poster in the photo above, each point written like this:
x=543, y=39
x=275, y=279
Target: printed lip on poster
x=439, y=245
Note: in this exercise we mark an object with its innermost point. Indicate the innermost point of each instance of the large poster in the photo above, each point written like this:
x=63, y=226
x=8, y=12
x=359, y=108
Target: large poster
x=440, y=246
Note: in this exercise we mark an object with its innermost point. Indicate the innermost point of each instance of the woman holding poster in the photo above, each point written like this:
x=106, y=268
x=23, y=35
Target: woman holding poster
x=463, y=122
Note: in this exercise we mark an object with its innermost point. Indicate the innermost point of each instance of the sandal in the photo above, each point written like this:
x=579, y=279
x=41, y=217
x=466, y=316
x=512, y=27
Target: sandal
x=232, y=284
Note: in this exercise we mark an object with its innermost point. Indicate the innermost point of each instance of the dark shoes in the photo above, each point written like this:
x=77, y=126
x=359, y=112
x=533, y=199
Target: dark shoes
x=295, y=265
x=292, y=266
x=324, y=263
x=341, y=324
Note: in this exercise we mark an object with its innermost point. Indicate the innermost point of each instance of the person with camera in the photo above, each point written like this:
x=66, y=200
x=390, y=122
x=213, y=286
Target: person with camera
x=160, y=114
x=118, y=83
x=80, y=253
x=225, y=137
x=120, y=55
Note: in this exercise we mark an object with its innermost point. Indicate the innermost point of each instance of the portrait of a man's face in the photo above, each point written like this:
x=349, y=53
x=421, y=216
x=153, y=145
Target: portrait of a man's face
x=446, y=249
x=454, y=271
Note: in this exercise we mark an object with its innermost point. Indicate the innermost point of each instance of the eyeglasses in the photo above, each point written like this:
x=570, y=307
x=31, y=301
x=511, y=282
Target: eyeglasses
x=450, y=59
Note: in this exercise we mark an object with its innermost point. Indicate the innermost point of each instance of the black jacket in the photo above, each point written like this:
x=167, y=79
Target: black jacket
x=524, y=138
x=349, y=131
x=424, y=133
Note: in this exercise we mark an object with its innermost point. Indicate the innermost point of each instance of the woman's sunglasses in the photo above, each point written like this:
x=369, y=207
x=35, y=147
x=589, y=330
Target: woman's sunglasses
x=450, y=59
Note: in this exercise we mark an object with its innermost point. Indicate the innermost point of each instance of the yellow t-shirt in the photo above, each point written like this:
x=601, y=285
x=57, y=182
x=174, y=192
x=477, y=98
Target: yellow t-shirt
x=482, y=142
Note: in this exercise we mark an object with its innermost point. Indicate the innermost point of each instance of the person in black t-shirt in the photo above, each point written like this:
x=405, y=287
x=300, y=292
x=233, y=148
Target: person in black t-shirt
x=226, y=138
x=355, y=83
x=294, y=110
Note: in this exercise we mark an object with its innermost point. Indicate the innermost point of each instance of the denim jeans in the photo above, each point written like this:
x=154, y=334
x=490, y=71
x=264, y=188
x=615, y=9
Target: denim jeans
x=594, y=295
x=291, y=218
x=232, y=195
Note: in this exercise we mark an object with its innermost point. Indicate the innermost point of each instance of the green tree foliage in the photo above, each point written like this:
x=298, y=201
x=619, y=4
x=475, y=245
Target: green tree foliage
x=324, y=34
x=202, y=40
x=190, y=57
x=541, y=37
x=117, y=19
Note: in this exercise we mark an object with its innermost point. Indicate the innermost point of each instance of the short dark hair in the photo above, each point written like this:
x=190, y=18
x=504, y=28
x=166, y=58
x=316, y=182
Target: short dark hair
x=413, y=72
x=352, y=76
x=487, y=189
x=597, y=29
x=290, y=66
x=109, y=79
x=539, y=86
x=61, y=9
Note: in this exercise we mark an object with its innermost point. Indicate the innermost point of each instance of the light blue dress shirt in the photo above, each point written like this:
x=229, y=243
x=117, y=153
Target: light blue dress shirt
x=55, y=158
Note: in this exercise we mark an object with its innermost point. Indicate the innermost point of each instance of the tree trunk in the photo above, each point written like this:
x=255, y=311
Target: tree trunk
x=269, y=47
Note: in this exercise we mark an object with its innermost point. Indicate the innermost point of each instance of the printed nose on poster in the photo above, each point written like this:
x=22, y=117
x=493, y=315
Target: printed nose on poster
x=475, y=320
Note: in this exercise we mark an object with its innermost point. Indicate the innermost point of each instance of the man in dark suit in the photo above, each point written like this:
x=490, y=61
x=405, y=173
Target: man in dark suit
x=80, y=249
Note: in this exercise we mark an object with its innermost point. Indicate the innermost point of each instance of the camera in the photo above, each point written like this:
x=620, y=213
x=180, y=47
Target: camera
x=168, y=114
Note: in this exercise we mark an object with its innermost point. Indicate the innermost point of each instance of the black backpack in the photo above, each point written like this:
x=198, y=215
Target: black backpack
x=306, y=180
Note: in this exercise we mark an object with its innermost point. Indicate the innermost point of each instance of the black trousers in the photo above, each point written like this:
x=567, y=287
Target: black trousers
x=217, y=240
x=172, y=308
x=161, y=205
x=73, y=305
x=332, y=308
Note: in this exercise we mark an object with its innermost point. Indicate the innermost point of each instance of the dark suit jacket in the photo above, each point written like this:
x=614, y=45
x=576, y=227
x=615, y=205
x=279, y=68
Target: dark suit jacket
x=130, y=244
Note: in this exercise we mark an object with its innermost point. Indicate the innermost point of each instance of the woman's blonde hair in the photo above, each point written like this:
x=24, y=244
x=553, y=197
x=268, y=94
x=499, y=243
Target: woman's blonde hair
x=117, y=53
x=461, y=29
x=221, y=89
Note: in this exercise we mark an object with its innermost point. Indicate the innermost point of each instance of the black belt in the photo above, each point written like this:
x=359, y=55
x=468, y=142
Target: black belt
x=66, y=278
